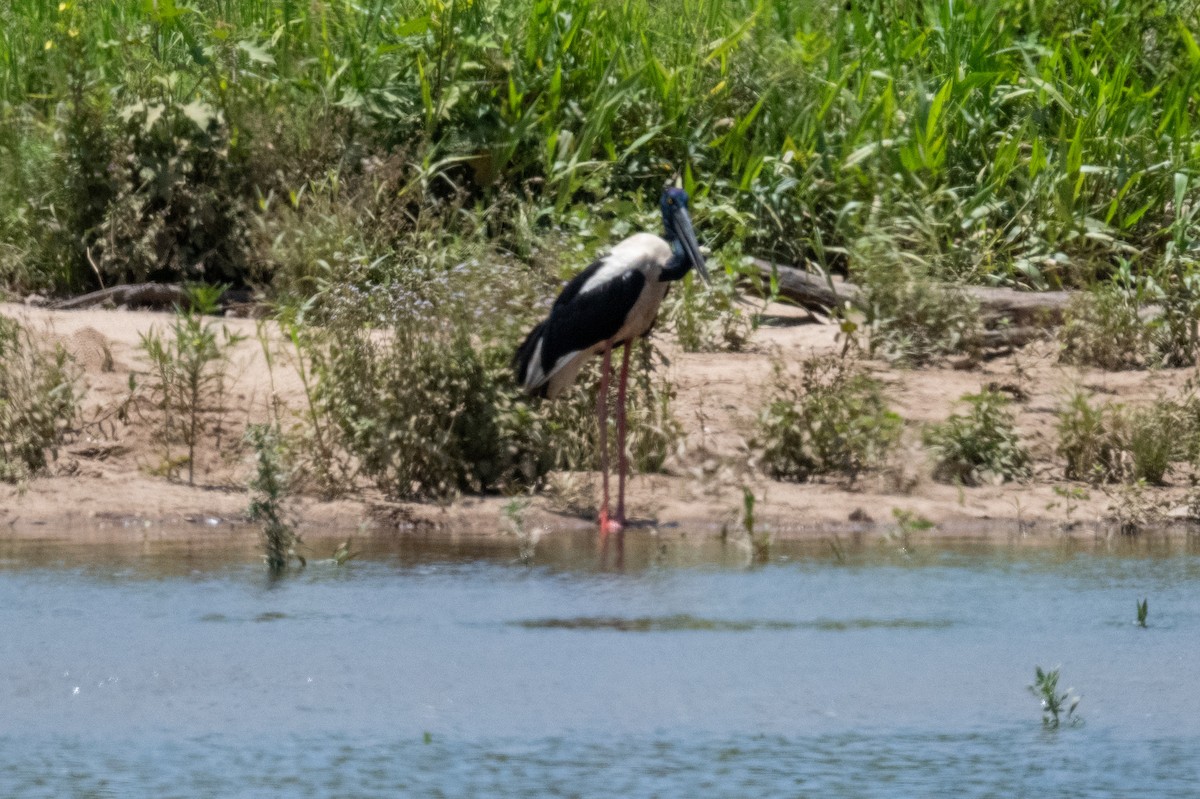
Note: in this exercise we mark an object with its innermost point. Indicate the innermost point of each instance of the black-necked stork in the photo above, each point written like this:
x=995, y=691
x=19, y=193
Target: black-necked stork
x=609, y=304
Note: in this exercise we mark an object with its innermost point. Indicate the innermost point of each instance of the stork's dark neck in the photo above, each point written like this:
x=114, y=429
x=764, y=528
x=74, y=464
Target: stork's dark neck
x=680, y=263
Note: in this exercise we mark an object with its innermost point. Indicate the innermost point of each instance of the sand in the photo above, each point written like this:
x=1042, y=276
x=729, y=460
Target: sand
x=107, y=482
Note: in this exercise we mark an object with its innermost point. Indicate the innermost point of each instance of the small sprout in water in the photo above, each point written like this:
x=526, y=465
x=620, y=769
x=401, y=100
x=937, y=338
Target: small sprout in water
x=907, y=523
x=1143, y=608
x=343, y=553
x=1054, y=704
x=428, y=737
x=835, y=544
x=514, y=517
x=760, y=540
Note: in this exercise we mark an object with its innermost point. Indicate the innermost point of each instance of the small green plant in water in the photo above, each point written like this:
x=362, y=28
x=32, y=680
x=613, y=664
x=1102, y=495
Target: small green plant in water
x=1056, y=708
x=344, y=552
x=268, y=490
x=907, y=524
x=1143, y=608
x=1070, y=498
x=514, y=518
x=759, y=540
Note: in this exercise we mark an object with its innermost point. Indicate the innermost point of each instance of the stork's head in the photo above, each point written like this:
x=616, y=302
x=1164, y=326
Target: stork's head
x=679, y=227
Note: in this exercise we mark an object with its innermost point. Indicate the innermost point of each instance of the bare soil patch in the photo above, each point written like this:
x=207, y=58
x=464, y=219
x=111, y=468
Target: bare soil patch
x=106, y=483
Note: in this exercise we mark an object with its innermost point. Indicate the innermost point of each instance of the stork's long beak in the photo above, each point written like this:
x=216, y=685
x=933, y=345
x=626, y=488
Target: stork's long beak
x=683, y=226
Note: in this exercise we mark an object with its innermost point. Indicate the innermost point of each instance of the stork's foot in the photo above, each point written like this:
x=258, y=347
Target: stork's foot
x=611, y=524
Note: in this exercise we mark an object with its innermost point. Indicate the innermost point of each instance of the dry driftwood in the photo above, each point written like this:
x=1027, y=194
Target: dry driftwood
x=1031, y=311
x=159, y=296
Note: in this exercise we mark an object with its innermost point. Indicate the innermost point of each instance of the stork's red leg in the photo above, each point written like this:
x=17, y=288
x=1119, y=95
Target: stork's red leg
x=622, y=459
x=602, y=416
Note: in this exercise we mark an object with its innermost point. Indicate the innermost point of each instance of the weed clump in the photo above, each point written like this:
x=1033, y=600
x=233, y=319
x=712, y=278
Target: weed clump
x=1102, y=328
x=708, y=318
x=187, y=376
x=1110, y=328
x=830, y=419
x=982, y=446
x=38, y=400
x=427, y=406
x=1089, y=440
x=1106, y=443
x=910, y=317
x=269, y=488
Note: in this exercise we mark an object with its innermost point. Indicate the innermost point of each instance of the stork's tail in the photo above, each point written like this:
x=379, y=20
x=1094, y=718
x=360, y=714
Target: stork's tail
x=527, y=363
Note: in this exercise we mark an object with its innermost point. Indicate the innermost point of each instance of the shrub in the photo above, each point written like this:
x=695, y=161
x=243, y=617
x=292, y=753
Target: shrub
x=430, y=409
x=38, y=400
x=981, y=446
x=1106, y=328
x=829, y=419
x=708, y=318
x=1155, y=436
x=1089, y=440
x=1102, y=328
x=187, y=374
x=910, y=317
x=1113, y=443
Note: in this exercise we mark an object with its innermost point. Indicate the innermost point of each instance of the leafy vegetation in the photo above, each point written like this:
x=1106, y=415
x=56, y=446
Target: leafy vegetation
x=269, y=488
x=363, y=164
x=1110, y=326
x=1088, y=440
x=186, y=382
x=981, y=446
x=910, y=317
x=1027, y=143
x=38, y=401
x=1054, y=705
x=831, y=418
x=1113, y=443
x=427, y=410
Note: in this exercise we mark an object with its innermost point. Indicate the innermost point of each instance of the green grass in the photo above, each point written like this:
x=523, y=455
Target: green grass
x=1027, y=142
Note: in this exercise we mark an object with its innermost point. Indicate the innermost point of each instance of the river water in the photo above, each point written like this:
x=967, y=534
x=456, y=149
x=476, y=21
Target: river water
x=444, y=669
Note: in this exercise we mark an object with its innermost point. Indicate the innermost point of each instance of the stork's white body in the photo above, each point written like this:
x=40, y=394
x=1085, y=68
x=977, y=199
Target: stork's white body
x=641, y=252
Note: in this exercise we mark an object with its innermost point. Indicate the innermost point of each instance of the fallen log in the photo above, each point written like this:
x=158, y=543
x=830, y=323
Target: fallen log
x=156, y=296
x=998, y=306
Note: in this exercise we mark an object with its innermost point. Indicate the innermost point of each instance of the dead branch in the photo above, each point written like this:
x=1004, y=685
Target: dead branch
x=155, y=296
x=998, y=306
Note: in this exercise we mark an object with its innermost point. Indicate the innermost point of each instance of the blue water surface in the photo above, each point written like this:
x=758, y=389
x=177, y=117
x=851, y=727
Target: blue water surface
x=460, y=670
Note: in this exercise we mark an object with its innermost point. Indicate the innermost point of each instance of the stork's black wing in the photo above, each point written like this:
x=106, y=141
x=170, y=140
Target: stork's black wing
x=580, y=320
